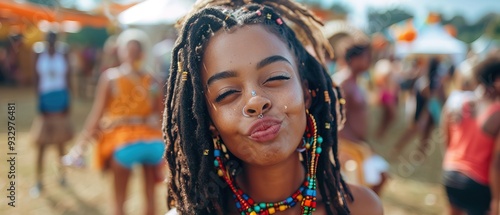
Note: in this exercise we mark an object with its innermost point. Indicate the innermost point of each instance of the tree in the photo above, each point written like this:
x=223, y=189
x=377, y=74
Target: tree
x=379, y=20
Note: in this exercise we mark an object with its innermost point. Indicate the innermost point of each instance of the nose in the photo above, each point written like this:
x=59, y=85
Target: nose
x=256, y=105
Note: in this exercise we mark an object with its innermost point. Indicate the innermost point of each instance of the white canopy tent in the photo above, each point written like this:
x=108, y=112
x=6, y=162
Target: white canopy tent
x=155, y=12
x=434, y=40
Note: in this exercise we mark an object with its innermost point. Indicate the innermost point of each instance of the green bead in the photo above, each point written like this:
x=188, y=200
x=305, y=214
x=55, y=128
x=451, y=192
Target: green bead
x=256, y=208
x=320, y=139
x=318, y=150
x=262, y=205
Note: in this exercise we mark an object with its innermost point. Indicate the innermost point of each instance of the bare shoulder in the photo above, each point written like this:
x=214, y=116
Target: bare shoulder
x=365, y=201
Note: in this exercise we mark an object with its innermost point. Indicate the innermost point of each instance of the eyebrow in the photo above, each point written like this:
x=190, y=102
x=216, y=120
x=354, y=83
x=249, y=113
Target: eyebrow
x=221, y=75
x=270, y=60
x=232, y=74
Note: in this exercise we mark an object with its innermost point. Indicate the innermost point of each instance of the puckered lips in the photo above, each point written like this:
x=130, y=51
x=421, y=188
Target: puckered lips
x=265, y=129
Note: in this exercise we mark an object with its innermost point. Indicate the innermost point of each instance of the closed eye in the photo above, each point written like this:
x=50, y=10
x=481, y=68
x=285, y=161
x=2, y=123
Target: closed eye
x=224, y=95
x=276, y=78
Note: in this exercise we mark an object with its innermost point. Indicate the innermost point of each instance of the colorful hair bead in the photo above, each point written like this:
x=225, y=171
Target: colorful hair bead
x=279, y=21
x=258, y=13
x=269, y=16
x=327, y=96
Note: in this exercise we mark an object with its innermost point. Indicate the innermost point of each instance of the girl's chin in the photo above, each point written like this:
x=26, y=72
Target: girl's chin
x=267, y=157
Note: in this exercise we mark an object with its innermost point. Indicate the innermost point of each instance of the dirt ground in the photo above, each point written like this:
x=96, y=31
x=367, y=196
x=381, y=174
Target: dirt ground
x=413, y=189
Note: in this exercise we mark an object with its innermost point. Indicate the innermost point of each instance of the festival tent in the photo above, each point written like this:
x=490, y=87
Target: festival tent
x=154, y=12
x=15, y=13
x=434, y=40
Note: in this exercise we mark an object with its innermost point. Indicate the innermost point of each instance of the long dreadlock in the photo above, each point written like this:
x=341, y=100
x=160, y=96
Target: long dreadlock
x=193, y=184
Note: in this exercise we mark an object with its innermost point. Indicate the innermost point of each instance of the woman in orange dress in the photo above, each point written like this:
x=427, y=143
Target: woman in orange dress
x=125, y=122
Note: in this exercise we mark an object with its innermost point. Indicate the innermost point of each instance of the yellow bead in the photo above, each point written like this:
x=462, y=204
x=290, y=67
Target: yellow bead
x=219, y=172
x=282, y=207
x=253, y=213
x=299, y=197
x=271, y=210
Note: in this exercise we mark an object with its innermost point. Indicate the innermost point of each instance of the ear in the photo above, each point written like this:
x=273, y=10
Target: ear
x=213, y=130
x=307, y=94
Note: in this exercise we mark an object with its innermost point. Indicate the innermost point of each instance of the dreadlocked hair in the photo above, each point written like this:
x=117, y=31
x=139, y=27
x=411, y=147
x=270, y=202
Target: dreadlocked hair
x=194, y=187
x=305, y=23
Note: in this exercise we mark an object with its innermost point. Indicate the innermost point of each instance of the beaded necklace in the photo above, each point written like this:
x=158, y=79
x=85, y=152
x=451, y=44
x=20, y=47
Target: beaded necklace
x=306, y=194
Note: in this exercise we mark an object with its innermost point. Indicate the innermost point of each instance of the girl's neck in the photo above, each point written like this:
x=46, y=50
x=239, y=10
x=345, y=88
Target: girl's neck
x=272, y=183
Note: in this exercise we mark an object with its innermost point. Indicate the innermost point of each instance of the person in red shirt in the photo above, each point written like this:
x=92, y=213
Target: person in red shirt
x=472, y=135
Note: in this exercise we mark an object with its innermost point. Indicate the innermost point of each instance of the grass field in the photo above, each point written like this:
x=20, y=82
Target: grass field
x=414, y=187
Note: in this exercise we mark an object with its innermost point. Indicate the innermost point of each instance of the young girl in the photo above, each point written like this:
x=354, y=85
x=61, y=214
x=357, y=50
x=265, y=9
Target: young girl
x=250, y=118
x=125, y=122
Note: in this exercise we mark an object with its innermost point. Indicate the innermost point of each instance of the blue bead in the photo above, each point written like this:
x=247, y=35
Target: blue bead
x=289, y=200
x=318, y=150
x=320, y=139
x=238, y=205
x=309, y=192
x=217, y=153
x=293, y=204
x=245, y=196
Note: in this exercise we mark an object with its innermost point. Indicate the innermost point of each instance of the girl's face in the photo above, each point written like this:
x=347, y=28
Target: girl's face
x=249, y=72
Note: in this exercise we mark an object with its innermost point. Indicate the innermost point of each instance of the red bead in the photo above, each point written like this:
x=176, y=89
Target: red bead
x=307, y=203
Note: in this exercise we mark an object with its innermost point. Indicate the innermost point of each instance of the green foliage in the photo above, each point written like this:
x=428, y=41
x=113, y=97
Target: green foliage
x=50, y=3
x=379, y=20
x=470, y=32
x=89, y=36
x=493, y=28
x=339, y=8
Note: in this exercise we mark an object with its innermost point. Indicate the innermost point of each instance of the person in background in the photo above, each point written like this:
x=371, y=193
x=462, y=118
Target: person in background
x=125, y=123
x=355, y=132
x=429, y=95
x=471, y=124
x=387, y=94
x=52, y=126
x=13, y=59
